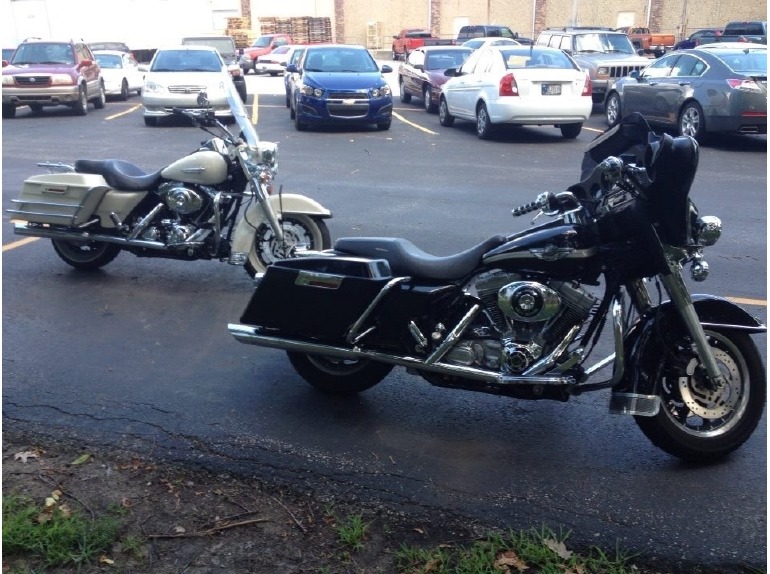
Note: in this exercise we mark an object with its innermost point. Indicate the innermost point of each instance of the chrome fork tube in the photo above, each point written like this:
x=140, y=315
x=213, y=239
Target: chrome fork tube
x=680, y=296
x=264, y=201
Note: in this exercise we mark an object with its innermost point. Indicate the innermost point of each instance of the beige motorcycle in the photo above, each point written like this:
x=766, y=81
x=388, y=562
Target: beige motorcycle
x=218, y=202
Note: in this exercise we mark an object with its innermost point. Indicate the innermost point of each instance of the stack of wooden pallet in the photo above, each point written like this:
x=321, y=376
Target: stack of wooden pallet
x=303, y=29
x=240, y=31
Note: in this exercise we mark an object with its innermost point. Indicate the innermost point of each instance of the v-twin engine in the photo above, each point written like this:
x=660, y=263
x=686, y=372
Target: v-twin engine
x=525, y=322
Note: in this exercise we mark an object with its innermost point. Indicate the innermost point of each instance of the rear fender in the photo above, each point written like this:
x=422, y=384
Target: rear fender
x=644, y=347
x=292, y=204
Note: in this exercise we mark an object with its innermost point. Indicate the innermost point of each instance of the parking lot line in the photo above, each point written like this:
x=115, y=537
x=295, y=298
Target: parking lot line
x=19, y=243
x=419, y=127
x=128, y=111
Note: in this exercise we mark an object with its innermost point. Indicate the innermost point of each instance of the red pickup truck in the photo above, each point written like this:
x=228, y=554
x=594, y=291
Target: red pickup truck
x=261, y=46
x=410, y=38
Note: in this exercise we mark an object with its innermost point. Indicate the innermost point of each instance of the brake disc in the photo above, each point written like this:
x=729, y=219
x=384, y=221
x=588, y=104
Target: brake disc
x=707, y=403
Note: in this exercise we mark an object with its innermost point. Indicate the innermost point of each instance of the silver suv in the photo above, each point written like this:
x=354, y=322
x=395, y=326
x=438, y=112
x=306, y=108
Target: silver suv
x=47, y=73
x=605, y=54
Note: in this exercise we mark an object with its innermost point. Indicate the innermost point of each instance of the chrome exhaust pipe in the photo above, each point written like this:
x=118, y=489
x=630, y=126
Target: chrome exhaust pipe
x=48, y=233
x=253, y=336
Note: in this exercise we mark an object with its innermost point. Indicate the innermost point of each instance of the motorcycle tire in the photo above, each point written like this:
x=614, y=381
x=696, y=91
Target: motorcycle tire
x=338, y=376
x=298, y=229
x=85, y=256
x=696, y=424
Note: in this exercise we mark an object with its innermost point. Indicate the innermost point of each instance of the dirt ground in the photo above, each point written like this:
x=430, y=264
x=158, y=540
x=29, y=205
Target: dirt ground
x=194, y=522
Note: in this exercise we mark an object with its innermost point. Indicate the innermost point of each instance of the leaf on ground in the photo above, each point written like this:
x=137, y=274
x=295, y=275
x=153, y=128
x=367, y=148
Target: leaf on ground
x=104, y=560
x=559, y=549
x=179, y=529
x=508, y=560
x=81, y=459
x=25, y=456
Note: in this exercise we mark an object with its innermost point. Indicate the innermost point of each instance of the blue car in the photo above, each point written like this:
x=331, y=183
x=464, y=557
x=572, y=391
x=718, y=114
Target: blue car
x=342, y=85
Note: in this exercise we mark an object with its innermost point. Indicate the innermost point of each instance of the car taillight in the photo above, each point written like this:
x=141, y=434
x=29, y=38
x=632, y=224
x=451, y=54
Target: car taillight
x=744, y=85
x=588, y=87
x=508, y=86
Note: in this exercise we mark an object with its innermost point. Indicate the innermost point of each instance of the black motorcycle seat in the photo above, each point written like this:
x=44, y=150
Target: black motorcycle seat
x=119, y=174
x=407, y=259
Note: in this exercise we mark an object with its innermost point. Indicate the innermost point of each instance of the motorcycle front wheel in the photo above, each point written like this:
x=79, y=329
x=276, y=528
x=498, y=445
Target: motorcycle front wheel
x=298, y=229
x=338, y=376
x=86, y=256
x=698, y=424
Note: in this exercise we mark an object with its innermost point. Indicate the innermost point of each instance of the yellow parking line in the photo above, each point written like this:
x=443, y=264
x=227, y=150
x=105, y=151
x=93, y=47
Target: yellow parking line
x=19, y=243
x=754, y=302
x=128, y=111
x=419, y=127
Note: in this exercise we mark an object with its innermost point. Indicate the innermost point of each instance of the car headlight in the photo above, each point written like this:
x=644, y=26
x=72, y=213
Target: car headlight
x=311, y=91
x=602, y=71
x=151, y=87
x=62, y=80
x=381, y=91
x=8, y=81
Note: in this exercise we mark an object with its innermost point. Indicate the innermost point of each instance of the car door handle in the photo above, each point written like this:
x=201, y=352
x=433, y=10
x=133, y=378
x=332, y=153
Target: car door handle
x=684, y=83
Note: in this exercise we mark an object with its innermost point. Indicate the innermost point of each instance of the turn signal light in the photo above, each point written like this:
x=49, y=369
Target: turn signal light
x=508, y=86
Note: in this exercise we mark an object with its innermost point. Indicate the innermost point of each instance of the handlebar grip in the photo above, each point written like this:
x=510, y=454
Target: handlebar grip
x=524, y=209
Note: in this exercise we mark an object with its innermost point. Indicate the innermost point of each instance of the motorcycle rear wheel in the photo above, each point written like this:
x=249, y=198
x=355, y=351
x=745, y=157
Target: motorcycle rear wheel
x=297, y=229
x=338, y=376
x=86, y=256
x=700, y=425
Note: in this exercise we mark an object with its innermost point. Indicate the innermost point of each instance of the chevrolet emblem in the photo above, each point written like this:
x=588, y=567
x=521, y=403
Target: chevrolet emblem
x=348, y=101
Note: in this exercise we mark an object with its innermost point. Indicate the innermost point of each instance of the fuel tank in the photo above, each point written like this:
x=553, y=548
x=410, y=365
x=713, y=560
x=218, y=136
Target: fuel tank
x=568, y=251
x=202, y=167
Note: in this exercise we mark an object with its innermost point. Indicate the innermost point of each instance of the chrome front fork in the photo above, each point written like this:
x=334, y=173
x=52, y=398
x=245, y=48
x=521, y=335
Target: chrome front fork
x=680, y=296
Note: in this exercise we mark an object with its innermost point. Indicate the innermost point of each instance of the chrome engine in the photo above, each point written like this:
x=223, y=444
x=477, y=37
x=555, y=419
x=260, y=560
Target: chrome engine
x=187, y=204
x=527, y=320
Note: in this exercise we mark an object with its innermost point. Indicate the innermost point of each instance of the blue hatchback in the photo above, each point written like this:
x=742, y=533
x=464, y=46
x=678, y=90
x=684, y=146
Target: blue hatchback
x=340, y=84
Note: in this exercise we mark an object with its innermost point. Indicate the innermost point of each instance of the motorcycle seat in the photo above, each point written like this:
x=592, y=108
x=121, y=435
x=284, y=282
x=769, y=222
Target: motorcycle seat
x=407, y=259
x=119, y=174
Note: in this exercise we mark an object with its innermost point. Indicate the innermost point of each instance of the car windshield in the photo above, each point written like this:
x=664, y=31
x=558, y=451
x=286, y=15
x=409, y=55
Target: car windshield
x=222, y=45
x=43, y=54
x=529, y=57
x=746, y=61
x=262, y=42
x=604, y=43
x=445, y=59
x=109, y=61
x=186, y=61
x=339, y=60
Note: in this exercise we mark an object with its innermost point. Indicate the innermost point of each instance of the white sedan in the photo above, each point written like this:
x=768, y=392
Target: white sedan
x=121, y=73
x=519, y=85
x=274, y=63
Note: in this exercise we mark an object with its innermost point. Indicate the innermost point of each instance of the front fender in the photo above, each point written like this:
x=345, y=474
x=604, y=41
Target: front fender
x=643, y=344
x=292, y=203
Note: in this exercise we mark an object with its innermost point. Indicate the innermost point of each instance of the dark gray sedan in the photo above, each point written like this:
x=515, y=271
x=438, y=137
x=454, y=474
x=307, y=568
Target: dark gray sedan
x=422, y=74
x=711, y=88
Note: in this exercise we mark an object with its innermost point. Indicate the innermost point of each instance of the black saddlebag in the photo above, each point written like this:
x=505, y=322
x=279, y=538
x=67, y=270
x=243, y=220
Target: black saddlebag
x=315, y=297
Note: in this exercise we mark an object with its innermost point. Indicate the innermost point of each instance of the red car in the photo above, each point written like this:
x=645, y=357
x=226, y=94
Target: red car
x=422, y=75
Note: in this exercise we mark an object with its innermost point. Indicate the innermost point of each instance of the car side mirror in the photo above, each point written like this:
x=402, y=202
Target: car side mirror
x=386, y=69
x=420, y=67
x=452, y=72
x=640, y=52
x=635, y=74
x=292, y=68
x=5, y=63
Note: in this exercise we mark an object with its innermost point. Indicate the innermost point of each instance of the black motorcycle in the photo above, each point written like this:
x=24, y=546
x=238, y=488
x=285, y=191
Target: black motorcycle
x=519, y=315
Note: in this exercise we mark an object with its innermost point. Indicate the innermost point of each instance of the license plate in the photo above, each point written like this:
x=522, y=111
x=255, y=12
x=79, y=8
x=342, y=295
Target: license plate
x=550, y=89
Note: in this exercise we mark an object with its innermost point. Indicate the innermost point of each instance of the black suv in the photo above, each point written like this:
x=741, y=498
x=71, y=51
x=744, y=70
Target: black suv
x=602, y=52
x=46, y=73
x=485, y=30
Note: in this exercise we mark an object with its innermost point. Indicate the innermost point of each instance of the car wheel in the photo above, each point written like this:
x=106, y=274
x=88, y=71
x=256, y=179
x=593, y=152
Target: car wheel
x=124, y=90
x=612, y=109
x=36, y=108
x=571, y=131
x=382, y=126
x=405, y=98
x=9, y=111
x=394, y=55
x=81, y=106
x=484, y=126
x=691, y=121
x=444, y=117
x=299, y=125
x=427, y=105
x=101, y=99
x=150, y=121
x=288, y=99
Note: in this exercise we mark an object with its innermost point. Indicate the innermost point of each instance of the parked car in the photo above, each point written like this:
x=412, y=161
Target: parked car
x=48, y=73
x=121, y=73
x=476, y=43
x=118, y=46
x=705, y=36
x=261, y=46
x=225, y=45
x=422, y=75
x=485, y=30
x=712, y=88
x=273, y=63
x=177, y=75
x=290, y=78
x=340, y=84
x=519, y=85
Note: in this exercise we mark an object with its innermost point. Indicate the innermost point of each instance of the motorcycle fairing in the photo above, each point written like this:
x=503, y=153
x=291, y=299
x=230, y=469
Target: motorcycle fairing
x=643, y=345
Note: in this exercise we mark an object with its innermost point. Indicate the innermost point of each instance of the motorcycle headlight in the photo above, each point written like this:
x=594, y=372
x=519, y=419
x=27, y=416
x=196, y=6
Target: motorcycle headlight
x=707, y=230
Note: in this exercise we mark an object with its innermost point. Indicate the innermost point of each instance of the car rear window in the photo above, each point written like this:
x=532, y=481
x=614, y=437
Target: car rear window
x=534, y=58
x=749, y=62
x=109, y=61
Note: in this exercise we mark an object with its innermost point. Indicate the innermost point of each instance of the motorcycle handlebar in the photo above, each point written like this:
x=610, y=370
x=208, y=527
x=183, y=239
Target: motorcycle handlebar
x=524, y=209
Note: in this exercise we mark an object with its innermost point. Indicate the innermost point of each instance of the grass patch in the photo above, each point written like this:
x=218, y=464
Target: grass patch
x=534, y=550
x=53, y=535
x=352, y=531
